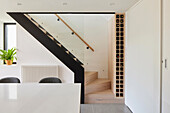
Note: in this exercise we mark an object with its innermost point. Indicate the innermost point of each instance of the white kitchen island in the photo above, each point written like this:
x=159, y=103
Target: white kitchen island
x=39, y=98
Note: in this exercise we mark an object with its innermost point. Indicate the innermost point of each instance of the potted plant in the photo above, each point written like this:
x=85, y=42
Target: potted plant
x=8, y=56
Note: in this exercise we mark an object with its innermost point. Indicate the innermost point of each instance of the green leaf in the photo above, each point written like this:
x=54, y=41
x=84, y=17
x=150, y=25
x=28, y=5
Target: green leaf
x=8, y=55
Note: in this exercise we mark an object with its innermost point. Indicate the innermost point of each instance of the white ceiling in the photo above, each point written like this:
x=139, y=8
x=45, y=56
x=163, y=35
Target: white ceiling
x=63, y=5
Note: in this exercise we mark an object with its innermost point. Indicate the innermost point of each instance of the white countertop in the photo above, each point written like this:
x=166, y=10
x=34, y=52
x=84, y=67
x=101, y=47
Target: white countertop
x=39, y=98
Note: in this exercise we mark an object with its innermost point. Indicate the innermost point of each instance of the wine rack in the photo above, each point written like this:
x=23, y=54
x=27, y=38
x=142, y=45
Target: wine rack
x=119, y=55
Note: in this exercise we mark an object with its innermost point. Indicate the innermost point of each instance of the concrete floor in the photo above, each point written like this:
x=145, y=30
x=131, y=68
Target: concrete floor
x=104, y=108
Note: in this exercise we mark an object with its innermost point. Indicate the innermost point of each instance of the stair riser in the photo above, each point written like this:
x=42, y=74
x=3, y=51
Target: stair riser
x=92, y=99
x=91, y=78
x=97, y=87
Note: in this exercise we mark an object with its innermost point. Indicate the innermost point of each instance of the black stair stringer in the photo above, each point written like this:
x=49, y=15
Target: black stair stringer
x=55, y=49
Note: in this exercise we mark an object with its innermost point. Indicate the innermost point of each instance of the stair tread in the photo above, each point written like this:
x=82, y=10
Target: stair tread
x=99, y=81
x=88, y=73
x=105, y=92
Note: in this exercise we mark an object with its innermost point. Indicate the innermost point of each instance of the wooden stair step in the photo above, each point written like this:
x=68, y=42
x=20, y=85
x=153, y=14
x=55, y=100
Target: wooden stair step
x=98, y=85
x=106, y=96
x=90, y=76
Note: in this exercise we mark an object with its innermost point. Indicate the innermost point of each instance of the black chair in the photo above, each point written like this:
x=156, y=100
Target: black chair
x=50, y=80
x=10, y=80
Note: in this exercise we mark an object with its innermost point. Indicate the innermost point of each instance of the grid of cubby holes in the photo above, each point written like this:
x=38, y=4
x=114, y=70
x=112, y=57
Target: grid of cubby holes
x=119, y=55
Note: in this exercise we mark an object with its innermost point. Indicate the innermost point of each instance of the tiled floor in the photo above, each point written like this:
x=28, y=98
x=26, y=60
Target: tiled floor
x=104, y=108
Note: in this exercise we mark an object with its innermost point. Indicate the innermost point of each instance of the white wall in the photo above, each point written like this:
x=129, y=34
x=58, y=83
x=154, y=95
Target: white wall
x=97, y=33
x=166, y=56
x=31, y=52
x=143, y=57
x=1, y=36
x=111, y=48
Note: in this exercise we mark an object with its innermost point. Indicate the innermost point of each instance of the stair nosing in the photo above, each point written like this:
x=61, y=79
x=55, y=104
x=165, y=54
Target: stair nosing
x=98, y=92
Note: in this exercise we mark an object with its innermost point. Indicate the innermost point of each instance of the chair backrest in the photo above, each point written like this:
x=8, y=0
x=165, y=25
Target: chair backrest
x=50, y=80
x=10, y=80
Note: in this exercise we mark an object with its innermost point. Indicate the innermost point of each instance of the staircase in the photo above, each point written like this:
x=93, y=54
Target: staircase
x=54, y=46
x=98, y=90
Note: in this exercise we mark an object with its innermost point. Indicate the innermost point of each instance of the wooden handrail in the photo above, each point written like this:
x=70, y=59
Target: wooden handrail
x=75, y=32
